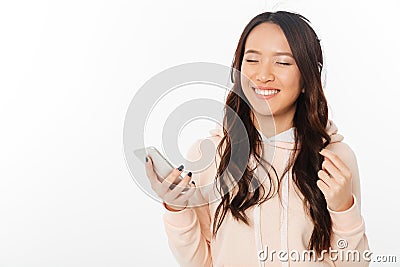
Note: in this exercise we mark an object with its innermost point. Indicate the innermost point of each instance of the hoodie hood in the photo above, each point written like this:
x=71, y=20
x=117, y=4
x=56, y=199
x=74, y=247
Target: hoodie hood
x=286, y=139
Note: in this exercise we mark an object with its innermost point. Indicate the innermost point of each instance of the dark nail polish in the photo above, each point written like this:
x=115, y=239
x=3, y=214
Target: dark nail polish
x=180, y=168
x=193, y=182
x=147, y=160
x=190, y=174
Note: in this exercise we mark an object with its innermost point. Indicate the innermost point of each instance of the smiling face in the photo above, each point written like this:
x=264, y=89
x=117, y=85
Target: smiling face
x=268, y=63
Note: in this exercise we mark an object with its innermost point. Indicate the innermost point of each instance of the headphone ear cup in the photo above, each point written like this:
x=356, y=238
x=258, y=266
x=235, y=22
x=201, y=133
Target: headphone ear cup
x=322, y=68
x=323, y=77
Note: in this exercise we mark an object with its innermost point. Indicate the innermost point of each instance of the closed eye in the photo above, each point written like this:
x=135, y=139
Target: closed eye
x=251, y=60
x=282, y=63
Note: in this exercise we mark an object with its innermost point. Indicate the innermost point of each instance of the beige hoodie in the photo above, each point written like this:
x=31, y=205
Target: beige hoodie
x=279, y=229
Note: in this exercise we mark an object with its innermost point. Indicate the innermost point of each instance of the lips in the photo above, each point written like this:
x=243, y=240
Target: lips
x=265, y=88
x=266, y=92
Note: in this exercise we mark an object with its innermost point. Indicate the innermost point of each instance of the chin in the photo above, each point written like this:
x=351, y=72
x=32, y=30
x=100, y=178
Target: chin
x=263, y=112
x=261, y=107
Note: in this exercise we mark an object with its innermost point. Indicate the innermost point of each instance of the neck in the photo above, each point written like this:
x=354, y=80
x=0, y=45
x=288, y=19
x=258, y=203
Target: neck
x=272, y=125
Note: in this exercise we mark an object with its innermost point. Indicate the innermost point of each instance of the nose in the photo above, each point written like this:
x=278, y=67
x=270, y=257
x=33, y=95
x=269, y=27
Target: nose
x=264, y=73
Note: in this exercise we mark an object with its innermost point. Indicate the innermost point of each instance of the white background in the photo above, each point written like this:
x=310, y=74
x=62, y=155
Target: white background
x=68, y=71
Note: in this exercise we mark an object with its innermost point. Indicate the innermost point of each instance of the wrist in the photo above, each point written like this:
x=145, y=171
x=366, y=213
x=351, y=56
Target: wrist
x=344, y=207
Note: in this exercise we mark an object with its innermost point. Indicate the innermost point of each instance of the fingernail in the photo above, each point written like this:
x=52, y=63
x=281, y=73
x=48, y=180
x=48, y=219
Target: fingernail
x=147, y=159
x=180, y=168
x=190, y=174
x=193, y=183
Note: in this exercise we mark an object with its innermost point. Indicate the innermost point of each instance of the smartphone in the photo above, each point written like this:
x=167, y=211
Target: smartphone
x=162, y=166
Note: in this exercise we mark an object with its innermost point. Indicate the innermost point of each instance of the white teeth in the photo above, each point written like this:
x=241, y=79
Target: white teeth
x=266, y=92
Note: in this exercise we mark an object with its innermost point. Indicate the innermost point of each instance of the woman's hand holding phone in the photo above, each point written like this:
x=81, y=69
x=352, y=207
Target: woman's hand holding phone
x=173, y=198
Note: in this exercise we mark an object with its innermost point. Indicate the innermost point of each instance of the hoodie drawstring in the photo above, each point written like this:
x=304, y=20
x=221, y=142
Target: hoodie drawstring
x=283, y=222
x=284, y=214
x=257, y=235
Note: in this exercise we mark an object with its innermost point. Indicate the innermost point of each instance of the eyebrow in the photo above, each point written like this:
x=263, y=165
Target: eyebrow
x=277, y=53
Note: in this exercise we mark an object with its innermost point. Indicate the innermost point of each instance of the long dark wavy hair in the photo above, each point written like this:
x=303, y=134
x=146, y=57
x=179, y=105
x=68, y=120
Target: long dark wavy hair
x=310, y=120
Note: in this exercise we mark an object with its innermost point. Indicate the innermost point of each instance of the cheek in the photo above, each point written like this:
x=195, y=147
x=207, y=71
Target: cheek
x=288, y=77
x=246, y=76
x=291, y=80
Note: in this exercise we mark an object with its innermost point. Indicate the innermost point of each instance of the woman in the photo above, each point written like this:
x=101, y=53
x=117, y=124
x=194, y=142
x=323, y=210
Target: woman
x=309, y=204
